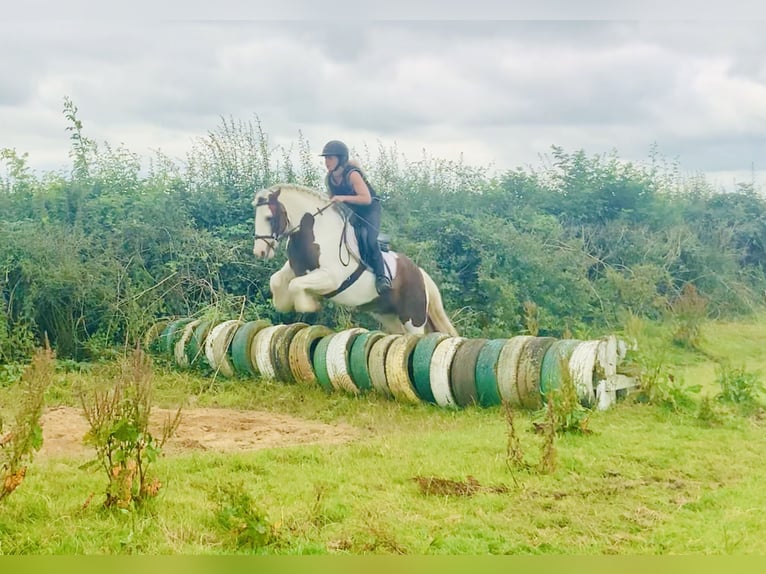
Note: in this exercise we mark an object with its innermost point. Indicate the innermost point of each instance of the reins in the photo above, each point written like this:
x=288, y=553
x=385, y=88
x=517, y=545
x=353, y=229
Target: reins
x=276, y=237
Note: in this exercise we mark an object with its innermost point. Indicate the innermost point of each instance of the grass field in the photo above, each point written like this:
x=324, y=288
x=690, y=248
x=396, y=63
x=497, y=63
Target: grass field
x=418, y=479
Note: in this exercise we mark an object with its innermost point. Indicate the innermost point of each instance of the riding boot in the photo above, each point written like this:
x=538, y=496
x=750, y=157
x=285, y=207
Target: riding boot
x=382, y=282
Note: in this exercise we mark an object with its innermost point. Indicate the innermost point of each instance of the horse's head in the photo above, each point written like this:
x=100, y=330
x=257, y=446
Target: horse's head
x=271, y=222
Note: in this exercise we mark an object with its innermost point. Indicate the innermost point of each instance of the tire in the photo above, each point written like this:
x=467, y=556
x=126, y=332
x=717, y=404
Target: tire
x=376, y=364
x=486, y=373
x=399, y=369
x=421, y=365
x=555, y=366
x=301, y=353
x=441, y=363
x=179, y=349
x=195, y=349
x=217, y=346
x=171, y=334
x=463, y=372
x=280, y=351
x=241, y=344
x=152, y=339
x=359, y=356
x=260, y=351
x=338, y=368
x=528, y=374
x=320, y=362
x=582, y=364
x=508, y=369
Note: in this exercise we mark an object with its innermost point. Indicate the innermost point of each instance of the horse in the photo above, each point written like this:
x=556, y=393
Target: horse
x=324, y=263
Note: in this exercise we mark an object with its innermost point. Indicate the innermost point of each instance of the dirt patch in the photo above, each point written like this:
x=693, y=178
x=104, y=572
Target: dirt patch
x=201, y=429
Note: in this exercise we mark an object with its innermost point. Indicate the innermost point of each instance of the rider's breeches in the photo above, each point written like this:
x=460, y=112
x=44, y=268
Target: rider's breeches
x=367, y=226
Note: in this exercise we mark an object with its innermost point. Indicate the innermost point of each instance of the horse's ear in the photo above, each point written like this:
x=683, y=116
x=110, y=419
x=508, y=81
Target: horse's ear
x=275, y=195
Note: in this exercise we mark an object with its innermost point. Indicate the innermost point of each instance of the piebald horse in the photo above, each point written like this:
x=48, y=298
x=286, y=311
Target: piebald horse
x=324, y=263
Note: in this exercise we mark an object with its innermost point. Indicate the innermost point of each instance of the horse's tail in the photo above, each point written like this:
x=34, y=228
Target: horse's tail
x=437, y=318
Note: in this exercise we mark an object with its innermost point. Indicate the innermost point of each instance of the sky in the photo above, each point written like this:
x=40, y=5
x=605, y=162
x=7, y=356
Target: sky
x=489, y=88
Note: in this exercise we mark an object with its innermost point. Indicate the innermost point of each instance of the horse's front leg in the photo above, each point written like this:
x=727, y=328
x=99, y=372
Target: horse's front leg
x=304, y=290
x=279, y=283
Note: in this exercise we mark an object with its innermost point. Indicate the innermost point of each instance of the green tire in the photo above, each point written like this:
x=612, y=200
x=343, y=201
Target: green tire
x=358, y=357
x=486, y=373
x=171, y=333
x=240, y=346
x=421, y=365
x=555, y=365
x=319, y=361
x=195, y=349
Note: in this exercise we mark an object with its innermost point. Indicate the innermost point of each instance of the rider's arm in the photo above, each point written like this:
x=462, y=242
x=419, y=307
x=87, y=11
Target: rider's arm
x=362, y=197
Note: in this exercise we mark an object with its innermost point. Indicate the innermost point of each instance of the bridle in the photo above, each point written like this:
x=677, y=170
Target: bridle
x=280, y=222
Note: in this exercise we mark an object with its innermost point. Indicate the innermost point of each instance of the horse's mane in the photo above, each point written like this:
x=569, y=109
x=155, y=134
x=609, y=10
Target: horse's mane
x=313, y=192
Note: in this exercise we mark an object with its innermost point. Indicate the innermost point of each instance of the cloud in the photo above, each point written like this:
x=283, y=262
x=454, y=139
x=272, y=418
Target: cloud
x=497, y=92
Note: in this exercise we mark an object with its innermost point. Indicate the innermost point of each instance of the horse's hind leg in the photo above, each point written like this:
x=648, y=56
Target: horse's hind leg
x=303, y=290
x=413, y=330
x=279, y=283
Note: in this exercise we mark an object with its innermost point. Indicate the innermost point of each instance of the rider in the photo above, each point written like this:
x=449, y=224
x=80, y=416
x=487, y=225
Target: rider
x=347, y=184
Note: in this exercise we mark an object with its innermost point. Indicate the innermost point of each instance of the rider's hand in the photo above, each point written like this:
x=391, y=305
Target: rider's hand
x=337, y=199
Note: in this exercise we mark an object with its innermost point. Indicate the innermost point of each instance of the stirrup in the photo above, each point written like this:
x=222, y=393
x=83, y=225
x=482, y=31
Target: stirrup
x=382, y=284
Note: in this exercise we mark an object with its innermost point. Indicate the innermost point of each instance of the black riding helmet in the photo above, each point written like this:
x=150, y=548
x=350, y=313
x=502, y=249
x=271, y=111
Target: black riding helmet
x=336, y=148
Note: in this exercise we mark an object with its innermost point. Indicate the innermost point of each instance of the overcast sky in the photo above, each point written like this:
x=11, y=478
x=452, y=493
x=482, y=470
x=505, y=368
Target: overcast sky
x=497, y=93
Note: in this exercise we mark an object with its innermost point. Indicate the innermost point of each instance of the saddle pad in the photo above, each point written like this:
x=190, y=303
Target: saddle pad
x=390, y=263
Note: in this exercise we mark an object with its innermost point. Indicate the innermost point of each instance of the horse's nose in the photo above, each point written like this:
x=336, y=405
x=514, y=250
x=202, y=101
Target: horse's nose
x=262, y=250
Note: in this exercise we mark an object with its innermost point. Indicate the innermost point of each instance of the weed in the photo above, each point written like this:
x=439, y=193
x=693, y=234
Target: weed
x=707, y=414
x=648, y=360
x=239, y=516
x=672, y=392
x=689, y=311
x=118, y=416
x=739, y=387
x=514, y=456
x=26, y=435
x=318, y=515
x=532, y=318
x=564, y=411
x=547, y=463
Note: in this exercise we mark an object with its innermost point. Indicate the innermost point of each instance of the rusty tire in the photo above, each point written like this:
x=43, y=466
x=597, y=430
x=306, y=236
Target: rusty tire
x=399, y=368
x=338, y=367
x=301, y=353
x=377, y=364
x=529, y=372
x=508, y=369
x=280, y=351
